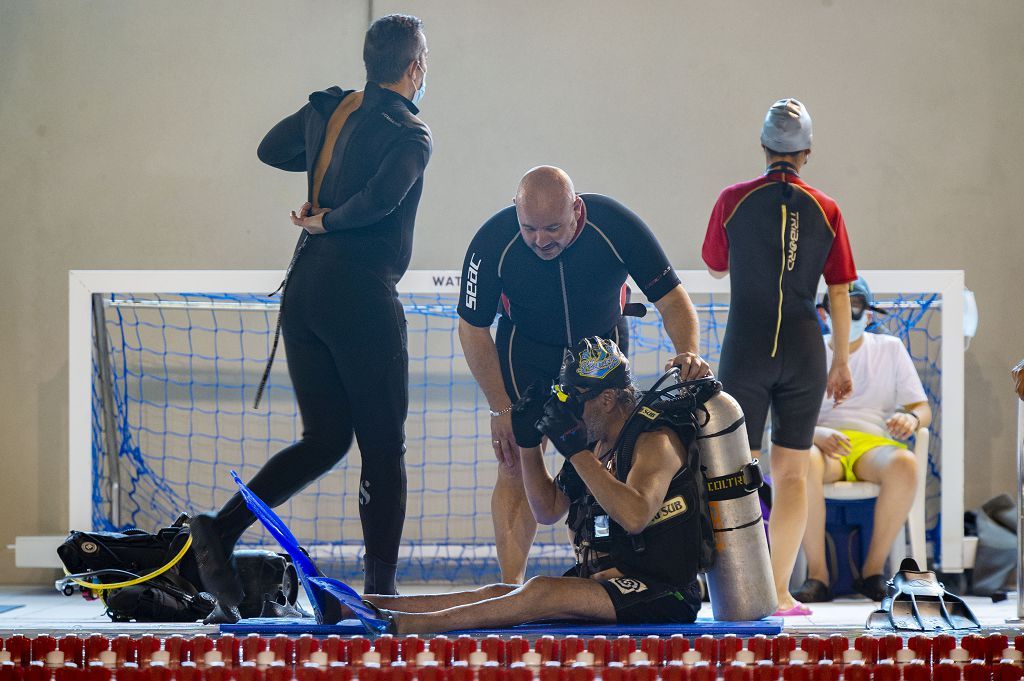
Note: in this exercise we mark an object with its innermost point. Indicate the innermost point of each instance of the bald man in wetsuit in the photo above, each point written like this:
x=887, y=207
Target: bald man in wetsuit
x=776, y=235
x=556, y=263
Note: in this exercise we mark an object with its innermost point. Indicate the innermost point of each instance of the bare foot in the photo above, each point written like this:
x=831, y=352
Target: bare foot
x=786, y=601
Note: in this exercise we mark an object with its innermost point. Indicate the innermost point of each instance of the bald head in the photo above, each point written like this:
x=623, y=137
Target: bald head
x=545, y=185
x=548, y=210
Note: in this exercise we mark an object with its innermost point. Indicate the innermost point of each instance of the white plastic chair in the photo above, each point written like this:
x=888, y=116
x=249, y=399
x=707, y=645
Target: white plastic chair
x=915, y=520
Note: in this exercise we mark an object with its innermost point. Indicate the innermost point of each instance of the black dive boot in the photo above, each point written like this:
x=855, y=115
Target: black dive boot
x=379, y=577
x=215, y=570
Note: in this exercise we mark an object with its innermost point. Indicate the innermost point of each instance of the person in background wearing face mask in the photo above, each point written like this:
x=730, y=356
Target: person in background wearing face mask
x=776, y=235
x=863, y=439
x=364, y=153
x=555, y=262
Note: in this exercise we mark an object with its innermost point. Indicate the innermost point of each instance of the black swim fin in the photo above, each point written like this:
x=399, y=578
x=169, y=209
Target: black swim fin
x=917, y=601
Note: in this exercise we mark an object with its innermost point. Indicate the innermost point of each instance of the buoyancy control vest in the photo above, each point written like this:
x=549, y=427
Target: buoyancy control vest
x=679, y=541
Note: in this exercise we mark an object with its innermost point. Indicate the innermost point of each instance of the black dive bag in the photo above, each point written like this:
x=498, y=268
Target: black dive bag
x=106, y=559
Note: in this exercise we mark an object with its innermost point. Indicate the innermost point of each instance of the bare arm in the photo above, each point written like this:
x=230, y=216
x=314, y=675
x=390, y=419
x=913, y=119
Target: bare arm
x=632, y=504
x=922, y=411
x=831, y=442
x=902, y=425
x=839, y=306
x=718, y=274
x=482, y=357
x=548, y=503
x=680, y=318
x=683, y=327
x=840, y=382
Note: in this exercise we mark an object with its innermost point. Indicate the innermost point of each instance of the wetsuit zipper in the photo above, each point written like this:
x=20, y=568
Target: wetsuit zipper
x=782, y=269
x=784, y=168
x=315, y=200
x=565, y=304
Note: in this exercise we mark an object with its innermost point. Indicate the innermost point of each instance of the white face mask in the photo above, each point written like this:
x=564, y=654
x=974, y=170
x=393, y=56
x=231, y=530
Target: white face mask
x=857, y=327
x=418, y=95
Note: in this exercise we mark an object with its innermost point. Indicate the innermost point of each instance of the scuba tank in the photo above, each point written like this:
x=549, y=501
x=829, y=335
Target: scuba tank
x=740, y=583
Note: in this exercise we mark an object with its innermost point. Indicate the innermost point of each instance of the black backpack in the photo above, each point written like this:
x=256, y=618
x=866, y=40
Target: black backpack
x=98, y=562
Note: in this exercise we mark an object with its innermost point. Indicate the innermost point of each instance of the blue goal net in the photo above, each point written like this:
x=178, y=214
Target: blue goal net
x=174, y=380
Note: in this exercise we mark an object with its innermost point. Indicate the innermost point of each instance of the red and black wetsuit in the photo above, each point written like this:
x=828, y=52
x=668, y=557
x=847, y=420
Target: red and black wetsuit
x=776, y=235
x=549, y=305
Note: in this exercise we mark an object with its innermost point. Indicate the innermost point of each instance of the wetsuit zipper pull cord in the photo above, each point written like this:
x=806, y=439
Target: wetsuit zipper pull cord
x=277, y=328
x=565, y=303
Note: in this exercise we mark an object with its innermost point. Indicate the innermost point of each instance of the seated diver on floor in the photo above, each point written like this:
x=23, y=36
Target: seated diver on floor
x=634, y=512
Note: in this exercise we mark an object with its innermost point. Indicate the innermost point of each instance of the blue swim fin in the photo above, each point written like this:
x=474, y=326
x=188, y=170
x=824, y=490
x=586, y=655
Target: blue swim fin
x=324, y=593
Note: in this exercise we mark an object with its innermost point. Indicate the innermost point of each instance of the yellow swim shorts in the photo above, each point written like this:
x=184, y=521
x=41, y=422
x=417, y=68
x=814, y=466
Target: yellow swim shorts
x=859, y=444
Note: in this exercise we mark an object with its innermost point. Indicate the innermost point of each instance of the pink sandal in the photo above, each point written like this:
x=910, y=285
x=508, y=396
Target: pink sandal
x=797, y=610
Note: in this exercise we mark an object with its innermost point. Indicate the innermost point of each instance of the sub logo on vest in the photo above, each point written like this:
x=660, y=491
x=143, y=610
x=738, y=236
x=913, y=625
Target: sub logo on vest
x=628, y=585
x=650, y=414
x=670, y=509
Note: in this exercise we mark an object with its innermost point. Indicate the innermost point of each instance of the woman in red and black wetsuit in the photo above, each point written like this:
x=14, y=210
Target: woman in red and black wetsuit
x=776, y=236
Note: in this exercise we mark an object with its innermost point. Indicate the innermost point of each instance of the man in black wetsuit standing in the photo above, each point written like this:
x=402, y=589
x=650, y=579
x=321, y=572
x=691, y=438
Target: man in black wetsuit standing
x=344, y=328
x=776, y=236
x=556, y=263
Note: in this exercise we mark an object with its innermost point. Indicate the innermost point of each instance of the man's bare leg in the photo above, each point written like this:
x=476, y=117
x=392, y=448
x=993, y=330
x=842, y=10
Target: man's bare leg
x=514, y=525
x=821, y=470
x=432, y=602
x=895, y=471
x=789, y=516
x=540, y=598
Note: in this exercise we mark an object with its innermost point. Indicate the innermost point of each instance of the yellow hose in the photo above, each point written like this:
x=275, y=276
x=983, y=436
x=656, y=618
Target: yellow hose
x=138, y=580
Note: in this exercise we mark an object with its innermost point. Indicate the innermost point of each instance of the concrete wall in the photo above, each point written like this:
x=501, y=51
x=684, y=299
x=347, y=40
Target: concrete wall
x=129, y=133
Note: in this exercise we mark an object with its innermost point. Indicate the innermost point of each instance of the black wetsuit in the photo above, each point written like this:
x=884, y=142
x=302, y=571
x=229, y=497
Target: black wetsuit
x=776, y=236
x=549, y=305
x=344, y=327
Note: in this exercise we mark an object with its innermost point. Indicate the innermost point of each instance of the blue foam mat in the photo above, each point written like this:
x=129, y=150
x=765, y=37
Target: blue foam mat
x=767, y=626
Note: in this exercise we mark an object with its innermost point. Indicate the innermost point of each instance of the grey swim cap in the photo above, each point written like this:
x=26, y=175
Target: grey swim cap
x=787, y=127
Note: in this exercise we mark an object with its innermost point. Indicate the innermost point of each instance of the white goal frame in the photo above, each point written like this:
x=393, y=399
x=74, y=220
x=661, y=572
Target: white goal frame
x=82, y=284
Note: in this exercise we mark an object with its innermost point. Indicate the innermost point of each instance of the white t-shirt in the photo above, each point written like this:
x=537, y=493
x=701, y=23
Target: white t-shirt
x=884, y=379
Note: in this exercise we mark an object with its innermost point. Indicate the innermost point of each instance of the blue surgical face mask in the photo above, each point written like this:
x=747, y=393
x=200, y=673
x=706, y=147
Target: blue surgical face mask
x=418, y=95
x=857, y=327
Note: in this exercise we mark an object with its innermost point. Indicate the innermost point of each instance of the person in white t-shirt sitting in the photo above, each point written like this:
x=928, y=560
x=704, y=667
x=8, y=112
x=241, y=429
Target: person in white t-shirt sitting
x=864, y=439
